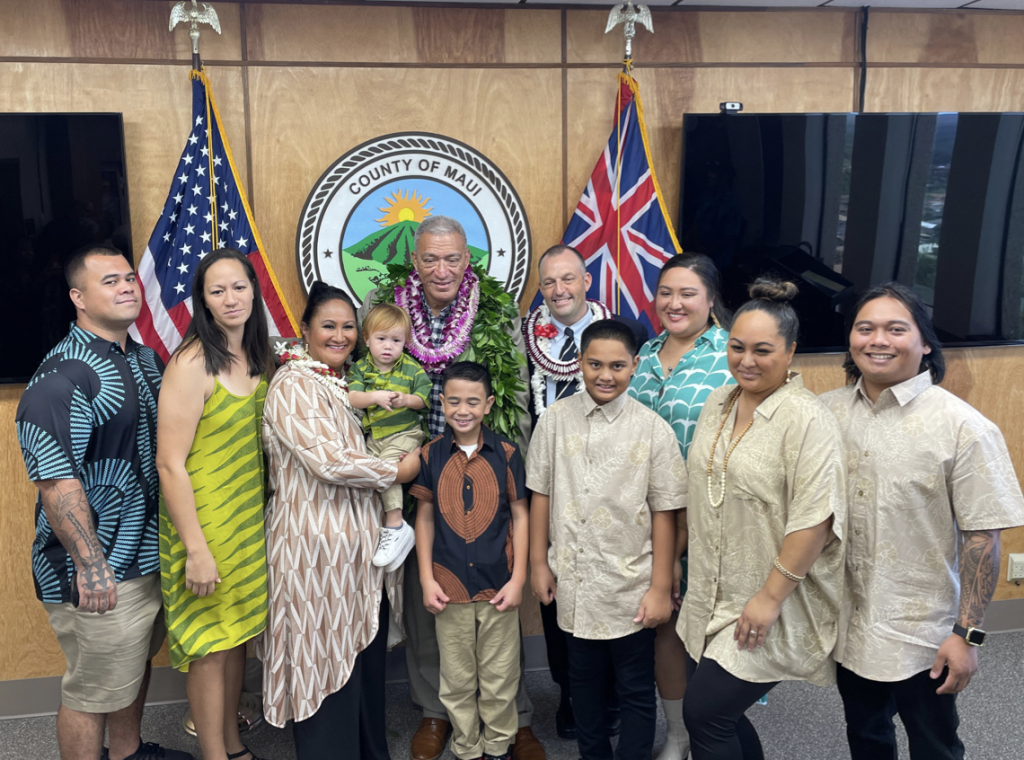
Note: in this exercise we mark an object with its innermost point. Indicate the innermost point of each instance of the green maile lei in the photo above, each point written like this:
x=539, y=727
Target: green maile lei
x=490, y=344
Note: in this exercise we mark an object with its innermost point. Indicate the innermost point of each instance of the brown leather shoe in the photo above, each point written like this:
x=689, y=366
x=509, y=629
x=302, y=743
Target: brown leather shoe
x=527, y=746
x=428, y=741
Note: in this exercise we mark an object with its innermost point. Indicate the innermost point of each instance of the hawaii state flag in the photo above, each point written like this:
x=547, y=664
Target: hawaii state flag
x=621, y=226
x=206, y=209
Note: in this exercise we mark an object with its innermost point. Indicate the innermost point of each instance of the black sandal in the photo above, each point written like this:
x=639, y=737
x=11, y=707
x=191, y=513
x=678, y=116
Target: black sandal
x=245, y=751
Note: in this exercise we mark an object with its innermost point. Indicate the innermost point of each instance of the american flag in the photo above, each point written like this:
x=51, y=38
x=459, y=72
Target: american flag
x=621, y=226
x=206, y=209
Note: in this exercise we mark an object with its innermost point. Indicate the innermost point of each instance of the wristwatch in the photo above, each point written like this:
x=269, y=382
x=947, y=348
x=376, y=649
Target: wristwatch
x=973, y=636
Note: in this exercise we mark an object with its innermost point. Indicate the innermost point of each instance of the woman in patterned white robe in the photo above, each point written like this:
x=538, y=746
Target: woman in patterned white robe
x=328, y=612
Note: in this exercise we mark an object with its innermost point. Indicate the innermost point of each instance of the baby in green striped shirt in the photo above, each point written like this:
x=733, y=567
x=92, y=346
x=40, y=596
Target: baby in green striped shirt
x=392, y=388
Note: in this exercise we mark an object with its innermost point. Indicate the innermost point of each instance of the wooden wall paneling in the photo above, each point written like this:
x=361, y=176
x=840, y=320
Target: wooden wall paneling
x=29, y=648
x=533, y=36
x=669, y=93
x=719, y=37
x=109, y=29
x=351, y=34
x=944, y=89
x=157, y=105
x=820, y=372
x=946, y=38
x=304, y=119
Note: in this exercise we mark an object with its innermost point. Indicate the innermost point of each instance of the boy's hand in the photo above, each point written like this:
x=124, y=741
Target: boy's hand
x=509, y=597
x=400, y=400
x=384, y=399
x=542, y=583
x=655, y=608
x=434, y=599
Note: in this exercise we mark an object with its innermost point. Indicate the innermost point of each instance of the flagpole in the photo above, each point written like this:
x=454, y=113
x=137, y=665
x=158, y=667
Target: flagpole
x=181, y=13
x=628, y=15
x=209, y=160
x=618, y=196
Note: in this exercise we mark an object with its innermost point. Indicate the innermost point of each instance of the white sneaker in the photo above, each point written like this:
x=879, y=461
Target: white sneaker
x=393, y=546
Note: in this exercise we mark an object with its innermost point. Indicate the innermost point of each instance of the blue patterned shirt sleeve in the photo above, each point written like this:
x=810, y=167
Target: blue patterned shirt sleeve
x=680, y=397
x=54, y=428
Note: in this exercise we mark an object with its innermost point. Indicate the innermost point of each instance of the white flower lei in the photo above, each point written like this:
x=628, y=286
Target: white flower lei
x=295, y=355
x=544, y=365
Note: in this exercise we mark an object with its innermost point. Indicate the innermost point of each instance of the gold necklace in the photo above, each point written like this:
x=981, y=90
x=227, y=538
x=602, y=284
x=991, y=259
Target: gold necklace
x=725, y=464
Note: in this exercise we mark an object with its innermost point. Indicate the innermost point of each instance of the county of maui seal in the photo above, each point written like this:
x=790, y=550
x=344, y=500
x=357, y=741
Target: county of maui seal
x=363, y=212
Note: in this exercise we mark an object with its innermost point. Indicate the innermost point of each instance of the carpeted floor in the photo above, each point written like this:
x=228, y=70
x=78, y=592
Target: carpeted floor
x=799, y=722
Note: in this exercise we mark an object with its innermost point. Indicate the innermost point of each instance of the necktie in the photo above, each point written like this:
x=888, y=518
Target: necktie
x=564, y=388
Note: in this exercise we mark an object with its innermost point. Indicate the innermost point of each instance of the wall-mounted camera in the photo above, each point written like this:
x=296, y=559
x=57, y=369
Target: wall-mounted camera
x=730, y=106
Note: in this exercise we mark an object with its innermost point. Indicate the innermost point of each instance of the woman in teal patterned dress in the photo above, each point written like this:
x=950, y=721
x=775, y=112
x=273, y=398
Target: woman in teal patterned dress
x=677, y=371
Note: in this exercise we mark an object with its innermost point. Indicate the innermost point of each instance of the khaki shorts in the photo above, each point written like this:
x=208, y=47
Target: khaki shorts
x=390, y=448
x=107, y=654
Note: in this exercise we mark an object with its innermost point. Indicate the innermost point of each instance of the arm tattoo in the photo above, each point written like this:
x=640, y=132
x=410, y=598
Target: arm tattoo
x=68, y=512
x=979, y=572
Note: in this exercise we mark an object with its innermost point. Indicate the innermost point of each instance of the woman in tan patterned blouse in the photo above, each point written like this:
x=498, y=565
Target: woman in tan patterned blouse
x=766, y=507
x=327, y=628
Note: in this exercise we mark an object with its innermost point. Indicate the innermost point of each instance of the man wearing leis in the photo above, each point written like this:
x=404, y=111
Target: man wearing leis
x=442, y=295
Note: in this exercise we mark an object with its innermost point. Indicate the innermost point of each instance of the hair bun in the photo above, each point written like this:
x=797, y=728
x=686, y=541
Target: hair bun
x=318, y=288
x=769, y=289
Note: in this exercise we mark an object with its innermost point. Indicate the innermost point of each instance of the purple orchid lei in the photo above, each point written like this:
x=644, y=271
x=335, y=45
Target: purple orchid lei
x=457, y=328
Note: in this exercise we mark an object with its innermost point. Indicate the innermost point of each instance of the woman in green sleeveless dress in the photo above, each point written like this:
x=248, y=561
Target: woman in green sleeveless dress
x=210, y=459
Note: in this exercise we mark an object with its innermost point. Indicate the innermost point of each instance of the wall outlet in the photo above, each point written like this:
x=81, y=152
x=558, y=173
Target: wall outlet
x=1015, y=567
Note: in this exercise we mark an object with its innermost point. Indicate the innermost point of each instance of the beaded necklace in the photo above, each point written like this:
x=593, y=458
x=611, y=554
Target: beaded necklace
x=725, y=464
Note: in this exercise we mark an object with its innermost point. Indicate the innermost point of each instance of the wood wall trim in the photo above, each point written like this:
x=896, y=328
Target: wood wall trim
x=244, y=63
x=596, y=6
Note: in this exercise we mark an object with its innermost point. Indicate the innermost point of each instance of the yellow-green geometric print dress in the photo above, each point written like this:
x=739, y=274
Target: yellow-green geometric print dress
x=226, y=468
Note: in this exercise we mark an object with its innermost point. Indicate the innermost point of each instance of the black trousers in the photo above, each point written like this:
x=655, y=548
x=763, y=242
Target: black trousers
x=713, y=711
x=557, y=646
x=931, y=719
x=632, y=659
x=350, y=722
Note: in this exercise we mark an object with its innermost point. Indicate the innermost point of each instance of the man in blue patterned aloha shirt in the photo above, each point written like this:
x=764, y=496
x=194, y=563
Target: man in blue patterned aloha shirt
x=87, y=430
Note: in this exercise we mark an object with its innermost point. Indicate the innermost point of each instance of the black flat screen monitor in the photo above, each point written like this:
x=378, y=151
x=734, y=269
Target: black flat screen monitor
x=840, y=202
x=62, y=186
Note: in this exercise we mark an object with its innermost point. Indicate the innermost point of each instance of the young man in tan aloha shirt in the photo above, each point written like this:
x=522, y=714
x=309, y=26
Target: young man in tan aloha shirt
x=930, y=487
x=606, y=476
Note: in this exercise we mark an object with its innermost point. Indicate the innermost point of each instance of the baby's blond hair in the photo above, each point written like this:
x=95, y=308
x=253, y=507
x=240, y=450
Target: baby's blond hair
x=386, y=316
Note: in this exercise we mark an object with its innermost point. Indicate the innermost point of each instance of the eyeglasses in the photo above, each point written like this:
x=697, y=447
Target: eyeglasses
x=430, y=261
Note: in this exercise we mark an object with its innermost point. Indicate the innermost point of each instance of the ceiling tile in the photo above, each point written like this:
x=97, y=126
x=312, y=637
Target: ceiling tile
x=756, y=3
x=999, y=5
x=898, y=3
